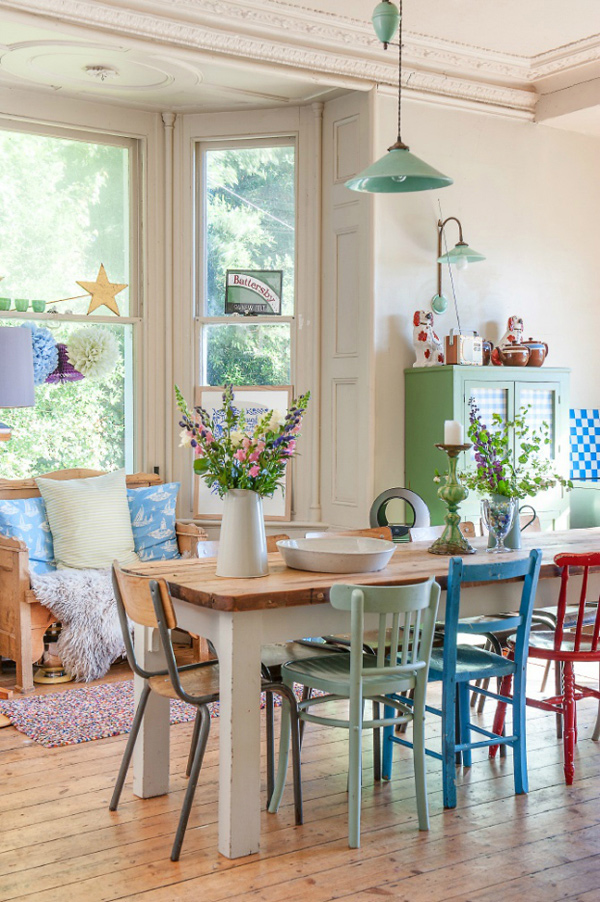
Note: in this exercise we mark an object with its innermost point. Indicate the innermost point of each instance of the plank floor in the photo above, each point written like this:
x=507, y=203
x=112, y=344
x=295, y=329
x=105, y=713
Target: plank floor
x=58, y=841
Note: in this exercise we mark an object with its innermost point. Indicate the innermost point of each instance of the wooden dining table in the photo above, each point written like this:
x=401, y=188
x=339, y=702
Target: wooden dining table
x=240, y=615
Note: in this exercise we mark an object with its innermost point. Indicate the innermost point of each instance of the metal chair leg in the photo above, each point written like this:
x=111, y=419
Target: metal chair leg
x=193, y=743
x=192, y=782
x=288, y=693
x=269, y=717
x=126, y=760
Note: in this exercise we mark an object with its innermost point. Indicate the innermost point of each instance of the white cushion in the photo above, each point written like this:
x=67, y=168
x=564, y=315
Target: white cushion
x=89, y=519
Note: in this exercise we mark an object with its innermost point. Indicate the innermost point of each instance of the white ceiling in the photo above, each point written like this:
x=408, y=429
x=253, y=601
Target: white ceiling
x=203, y=55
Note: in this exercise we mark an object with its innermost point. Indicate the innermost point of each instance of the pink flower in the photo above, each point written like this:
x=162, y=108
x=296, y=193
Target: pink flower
x=240, y=455
x=255, y=470
x=198, y=451
x=291, y=446
x=296, y=428
x=254, y=456
x=208, y=437
x=246, y=443
x=260, y=447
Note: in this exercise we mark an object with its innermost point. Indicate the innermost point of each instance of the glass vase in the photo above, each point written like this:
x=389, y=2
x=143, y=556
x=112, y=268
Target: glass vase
x=242, y=542
x=498, y=515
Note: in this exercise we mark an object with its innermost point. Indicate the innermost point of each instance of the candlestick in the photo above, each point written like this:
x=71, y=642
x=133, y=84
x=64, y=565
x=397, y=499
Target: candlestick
x=453, y=432
x=452, y=493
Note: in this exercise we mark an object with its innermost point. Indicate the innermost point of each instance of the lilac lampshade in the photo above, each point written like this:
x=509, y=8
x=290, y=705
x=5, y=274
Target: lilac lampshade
x=65, y=371
x=16, y=367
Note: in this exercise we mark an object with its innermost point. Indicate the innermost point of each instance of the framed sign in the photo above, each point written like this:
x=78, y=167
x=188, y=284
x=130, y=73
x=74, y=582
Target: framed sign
x=255, y=401
x=253, y=291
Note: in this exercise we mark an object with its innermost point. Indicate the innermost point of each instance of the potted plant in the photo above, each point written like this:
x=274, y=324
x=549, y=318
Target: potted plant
x=241, y=465
x=503, y=475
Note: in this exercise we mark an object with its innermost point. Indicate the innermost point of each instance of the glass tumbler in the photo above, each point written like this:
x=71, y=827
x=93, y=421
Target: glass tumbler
x=497, y=515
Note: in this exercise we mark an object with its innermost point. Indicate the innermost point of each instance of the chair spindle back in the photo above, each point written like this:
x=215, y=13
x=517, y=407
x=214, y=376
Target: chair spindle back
x=582, y=635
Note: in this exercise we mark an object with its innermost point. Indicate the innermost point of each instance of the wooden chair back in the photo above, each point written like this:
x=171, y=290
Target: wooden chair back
x=406, y=623
x=584, y=634
x=210, y=549
x=136, y=597
x=376, y=532
x=27, y=488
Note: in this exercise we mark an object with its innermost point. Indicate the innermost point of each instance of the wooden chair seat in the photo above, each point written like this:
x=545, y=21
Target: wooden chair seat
x=204, y=681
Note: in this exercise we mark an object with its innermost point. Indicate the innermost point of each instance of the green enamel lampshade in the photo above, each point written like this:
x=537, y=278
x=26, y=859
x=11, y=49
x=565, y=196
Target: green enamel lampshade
x=398, y=171
x=461, y=253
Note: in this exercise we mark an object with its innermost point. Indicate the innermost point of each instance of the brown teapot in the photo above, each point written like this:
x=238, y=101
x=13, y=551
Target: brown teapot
x=513, y=355
x=538, y=351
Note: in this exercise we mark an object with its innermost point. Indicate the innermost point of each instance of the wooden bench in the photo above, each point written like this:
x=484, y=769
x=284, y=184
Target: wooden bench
x=23, y=620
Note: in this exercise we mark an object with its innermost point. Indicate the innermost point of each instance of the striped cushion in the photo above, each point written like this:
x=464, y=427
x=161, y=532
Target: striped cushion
x=89, y=519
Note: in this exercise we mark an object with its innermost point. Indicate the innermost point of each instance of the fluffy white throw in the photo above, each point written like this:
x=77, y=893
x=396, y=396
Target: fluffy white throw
x=84, y=602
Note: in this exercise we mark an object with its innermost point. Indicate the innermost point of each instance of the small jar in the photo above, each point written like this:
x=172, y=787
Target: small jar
x=38, y=306
x=4, y=303
x=21, y=304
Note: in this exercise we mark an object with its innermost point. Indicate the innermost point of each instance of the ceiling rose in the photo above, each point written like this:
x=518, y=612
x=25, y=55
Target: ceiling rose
x=101, y=73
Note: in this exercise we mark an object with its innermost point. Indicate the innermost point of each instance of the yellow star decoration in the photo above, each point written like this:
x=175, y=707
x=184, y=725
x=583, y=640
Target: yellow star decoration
x=102, y=291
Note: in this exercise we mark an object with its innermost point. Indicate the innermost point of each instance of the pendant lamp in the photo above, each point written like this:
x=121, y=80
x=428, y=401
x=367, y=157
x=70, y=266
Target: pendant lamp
x=399, y=170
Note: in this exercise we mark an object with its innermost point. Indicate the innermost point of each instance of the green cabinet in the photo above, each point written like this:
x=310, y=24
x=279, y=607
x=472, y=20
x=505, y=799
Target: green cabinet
x=435, y=394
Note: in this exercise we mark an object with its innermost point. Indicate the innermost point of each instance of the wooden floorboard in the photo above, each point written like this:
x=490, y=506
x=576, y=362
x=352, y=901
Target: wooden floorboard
x=59, y=841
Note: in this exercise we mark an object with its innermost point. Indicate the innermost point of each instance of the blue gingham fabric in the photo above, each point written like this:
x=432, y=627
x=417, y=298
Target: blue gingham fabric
x=585, y=443
x=490, y=401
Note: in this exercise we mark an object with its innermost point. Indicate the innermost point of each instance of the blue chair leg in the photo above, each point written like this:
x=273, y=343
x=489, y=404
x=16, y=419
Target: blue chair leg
x=448, y=742
x=520, y=747
x=465, y=721
x=388, y=746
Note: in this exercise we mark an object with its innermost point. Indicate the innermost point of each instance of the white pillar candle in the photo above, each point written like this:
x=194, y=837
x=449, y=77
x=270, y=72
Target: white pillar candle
x=453, y=433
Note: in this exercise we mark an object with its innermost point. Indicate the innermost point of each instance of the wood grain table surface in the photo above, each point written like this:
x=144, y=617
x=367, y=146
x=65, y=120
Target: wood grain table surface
x=194, y=581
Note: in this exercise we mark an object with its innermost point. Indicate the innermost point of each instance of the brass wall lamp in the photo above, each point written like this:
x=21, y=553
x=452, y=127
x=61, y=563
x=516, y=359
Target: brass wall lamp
x=461, y=255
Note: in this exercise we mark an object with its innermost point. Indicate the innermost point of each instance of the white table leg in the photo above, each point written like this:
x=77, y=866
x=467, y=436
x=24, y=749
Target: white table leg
x=151, y=753
x=239, y=724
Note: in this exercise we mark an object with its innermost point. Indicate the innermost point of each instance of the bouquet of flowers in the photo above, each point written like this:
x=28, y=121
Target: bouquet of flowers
x=231, y=455
x=498, y=470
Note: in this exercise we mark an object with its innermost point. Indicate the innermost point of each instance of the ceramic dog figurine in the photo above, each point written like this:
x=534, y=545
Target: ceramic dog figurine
x=512, y=336
x=426, y=343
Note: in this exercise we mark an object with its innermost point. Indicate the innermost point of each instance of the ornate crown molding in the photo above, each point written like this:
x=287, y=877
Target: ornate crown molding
x=334, y=49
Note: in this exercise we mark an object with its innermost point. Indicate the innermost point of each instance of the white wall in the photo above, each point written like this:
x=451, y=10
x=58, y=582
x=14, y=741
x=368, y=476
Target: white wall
x=528, y=198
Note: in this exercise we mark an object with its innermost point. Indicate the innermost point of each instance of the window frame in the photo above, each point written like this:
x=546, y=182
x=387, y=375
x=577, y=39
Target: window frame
x=134, y=319
x=201, y=318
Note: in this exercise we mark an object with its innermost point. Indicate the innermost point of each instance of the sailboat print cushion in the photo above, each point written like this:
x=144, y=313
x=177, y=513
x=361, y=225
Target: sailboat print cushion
x=152, y=512
x=26, y=519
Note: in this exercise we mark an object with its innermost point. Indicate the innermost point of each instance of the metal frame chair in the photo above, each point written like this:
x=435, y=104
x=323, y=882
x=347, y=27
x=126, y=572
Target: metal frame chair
x=147, y=602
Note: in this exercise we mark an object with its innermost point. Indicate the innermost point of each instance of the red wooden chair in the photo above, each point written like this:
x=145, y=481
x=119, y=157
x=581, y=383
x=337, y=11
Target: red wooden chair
x=571, y=642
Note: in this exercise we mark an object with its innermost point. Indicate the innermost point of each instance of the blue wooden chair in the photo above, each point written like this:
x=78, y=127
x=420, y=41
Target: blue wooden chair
x=411, y=612
x=459, y=666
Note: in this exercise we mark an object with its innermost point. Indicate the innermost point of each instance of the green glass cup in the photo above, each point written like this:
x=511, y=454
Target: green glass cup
x=21, y=304
x=38, y=306
x=4, y=303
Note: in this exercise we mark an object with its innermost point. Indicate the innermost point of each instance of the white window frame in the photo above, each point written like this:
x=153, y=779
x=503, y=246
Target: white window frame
x=133, y=371
x=201, y=318
x=304, y=125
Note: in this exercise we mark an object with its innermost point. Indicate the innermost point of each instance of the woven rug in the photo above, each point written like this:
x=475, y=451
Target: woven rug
x=80, y=715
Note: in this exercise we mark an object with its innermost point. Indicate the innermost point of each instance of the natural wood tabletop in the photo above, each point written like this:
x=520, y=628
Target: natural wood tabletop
x=194, y=580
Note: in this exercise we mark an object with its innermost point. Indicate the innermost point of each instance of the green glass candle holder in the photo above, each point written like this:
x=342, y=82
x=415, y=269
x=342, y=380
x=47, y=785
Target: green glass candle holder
x=21, y=304
x=452, y=493
x=4, y=303
x=38, y=306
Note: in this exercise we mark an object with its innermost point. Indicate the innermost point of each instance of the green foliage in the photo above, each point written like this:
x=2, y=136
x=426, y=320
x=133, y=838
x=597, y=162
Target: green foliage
x=498, y=471
x=64, y=209
x=250, y=224
x=232, y=455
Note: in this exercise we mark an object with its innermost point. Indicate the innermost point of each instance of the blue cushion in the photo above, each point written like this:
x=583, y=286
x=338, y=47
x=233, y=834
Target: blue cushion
x=25, y=519
x=152, y=512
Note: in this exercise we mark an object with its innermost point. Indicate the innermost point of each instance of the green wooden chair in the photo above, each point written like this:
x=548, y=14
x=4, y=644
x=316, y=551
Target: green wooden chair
x=411, y=612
